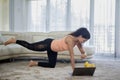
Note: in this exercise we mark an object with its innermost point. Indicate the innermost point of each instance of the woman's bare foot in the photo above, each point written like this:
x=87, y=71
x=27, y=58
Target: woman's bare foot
x=11, y=40
x=32, y=63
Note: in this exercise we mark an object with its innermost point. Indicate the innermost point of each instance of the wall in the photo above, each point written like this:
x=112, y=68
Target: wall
x=4, y=15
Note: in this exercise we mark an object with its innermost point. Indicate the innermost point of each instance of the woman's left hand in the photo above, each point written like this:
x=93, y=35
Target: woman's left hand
x=83, y=56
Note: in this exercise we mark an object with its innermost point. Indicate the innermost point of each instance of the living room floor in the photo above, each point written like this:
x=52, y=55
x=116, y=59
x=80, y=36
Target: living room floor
x=107, y=68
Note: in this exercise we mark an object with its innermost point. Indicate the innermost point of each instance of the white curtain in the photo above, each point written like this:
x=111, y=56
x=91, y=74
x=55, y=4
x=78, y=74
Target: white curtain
x=37, y=15
x=80, y=13
x=117, y=29
x=58, y=15
x=104, y=26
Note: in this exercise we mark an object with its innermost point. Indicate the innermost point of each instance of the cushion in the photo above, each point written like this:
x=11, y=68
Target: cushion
x=41, y=37
x=1, y=39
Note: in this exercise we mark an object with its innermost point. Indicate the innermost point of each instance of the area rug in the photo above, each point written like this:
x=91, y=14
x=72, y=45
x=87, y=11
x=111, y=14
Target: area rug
x=18, y=70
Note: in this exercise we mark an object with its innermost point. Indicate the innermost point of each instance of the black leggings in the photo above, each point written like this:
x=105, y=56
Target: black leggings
x=42, y=46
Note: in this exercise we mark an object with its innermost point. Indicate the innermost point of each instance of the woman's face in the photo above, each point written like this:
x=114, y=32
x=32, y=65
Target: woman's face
x=81, y=39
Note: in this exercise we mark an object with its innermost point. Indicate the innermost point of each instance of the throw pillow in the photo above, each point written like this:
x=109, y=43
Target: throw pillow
x=2, y=39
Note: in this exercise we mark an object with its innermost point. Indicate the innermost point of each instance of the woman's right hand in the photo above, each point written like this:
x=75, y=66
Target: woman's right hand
x=83, y=56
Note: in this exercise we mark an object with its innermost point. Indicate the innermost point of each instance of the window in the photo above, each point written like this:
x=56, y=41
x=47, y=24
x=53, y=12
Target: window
x=58, y=15
x=104, y=26
x=80, y=13
x=37, y=15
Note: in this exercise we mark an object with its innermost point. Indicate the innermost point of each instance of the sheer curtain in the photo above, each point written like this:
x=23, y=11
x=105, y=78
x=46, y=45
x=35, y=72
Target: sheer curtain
x=47, y=15
x=80, y=13
x=37, y=15
x=117, y=29
x=104, y=26
x=57, y=15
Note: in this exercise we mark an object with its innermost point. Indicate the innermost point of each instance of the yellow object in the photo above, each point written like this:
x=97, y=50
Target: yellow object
x=87, y=64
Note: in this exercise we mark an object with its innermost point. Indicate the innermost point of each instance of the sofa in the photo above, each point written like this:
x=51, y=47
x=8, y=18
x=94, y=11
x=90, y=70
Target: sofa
x=15, y=50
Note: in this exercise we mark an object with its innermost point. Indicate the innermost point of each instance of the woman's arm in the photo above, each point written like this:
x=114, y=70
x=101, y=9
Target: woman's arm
x=70, y=44
x=83, y=55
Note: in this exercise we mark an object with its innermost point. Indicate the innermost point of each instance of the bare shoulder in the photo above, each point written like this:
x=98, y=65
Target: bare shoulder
x=69, y=39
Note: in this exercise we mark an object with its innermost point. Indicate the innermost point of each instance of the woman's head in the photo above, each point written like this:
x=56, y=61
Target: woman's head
x=81, y=33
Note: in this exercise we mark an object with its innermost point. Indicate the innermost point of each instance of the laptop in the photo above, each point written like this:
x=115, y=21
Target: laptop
x=82, y=71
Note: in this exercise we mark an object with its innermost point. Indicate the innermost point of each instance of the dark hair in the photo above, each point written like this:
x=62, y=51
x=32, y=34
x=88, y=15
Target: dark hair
x=81, y=31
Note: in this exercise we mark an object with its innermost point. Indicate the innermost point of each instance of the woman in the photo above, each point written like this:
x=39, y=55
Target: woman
x=52, y=46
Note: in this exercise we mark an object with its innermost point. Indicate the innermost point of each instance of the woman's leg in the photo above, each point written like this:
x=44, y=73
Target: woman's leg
x=37, y=46
x=52, y=59
x=33, y=63
x=10, y=41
